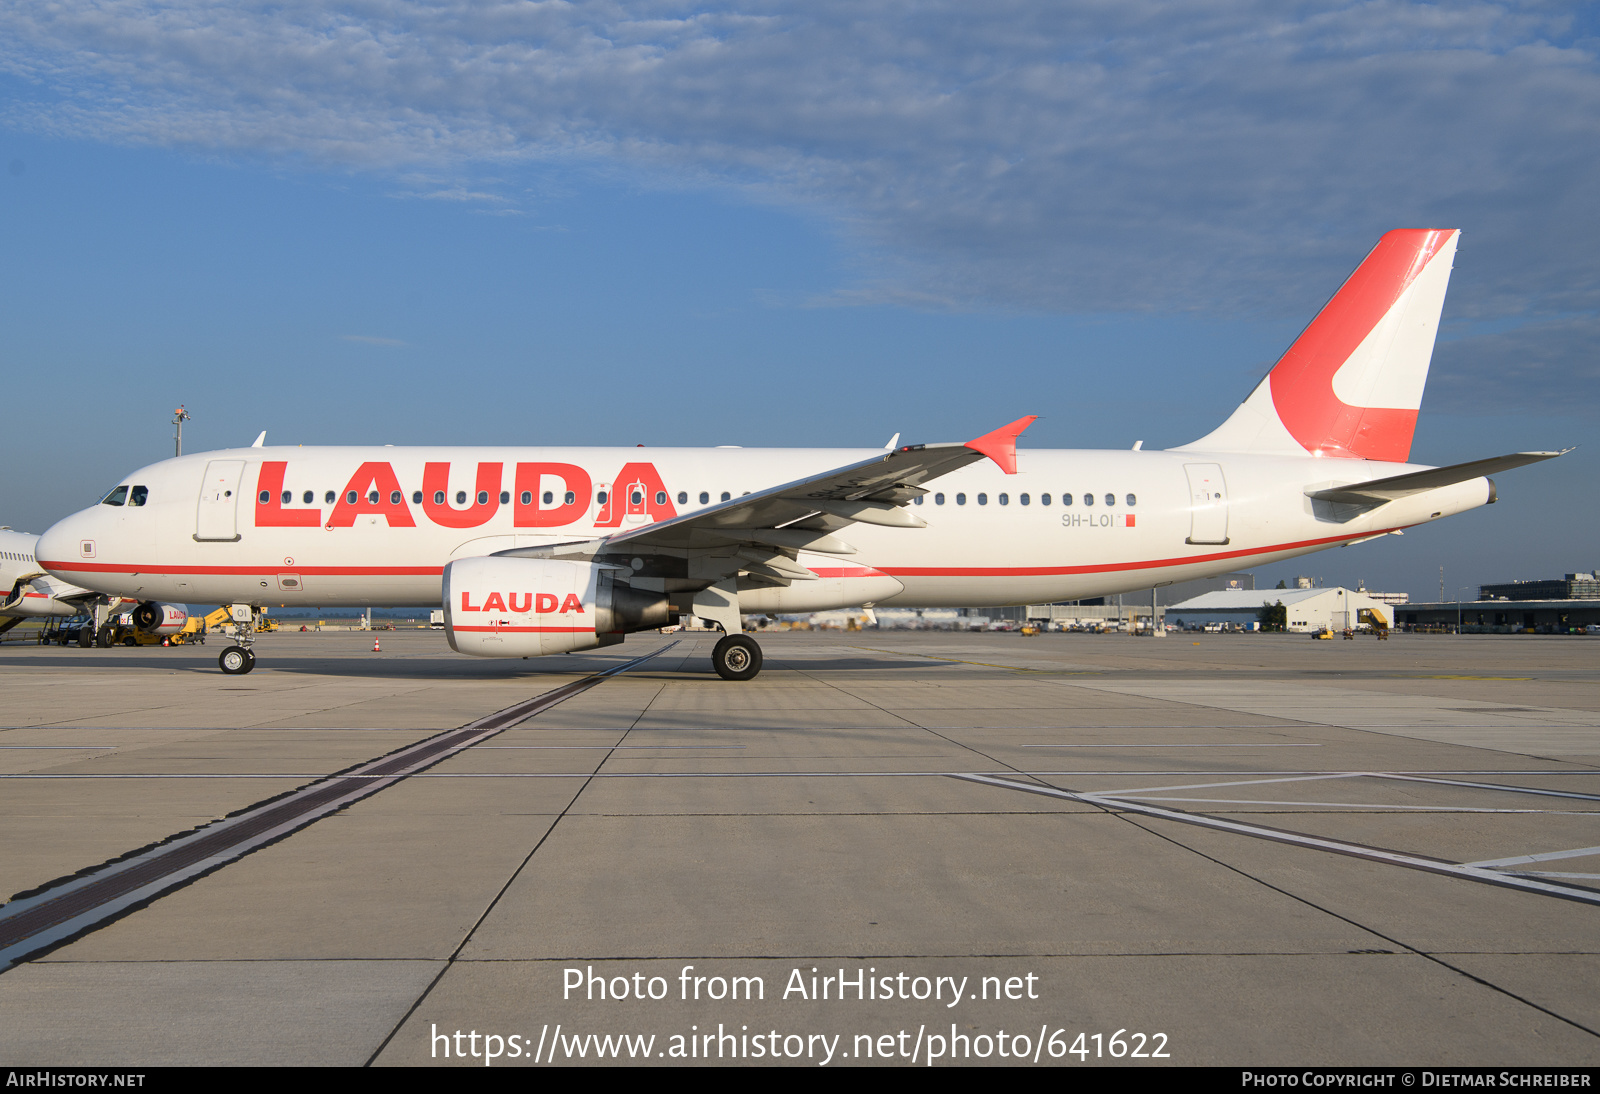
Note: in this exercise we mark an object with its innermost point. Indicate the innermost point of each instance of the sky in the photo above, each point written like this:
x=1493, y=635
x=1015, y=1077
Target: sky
x=788, y=224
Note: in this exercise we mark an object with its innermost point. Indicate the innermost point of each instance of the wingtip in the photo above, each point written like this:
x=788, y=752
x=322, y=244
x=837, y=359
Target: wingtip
x=1001, y=445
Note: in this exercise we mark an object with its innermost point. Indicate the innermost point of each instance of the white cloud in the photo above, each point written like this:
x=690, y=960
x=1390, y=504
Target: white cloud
x=1088, y=157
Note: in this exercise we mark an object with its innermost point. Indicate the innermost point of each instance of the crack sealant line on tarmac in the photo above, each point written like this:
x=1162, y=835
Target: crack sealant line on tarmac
x=494, y=902
x=1316, y=843
x=61, y=912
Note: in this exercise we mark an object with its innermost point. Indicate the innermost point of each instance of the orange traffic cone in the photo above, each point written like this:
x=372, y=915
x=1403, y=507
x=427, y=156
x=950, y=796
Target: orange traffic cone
x=375, y=647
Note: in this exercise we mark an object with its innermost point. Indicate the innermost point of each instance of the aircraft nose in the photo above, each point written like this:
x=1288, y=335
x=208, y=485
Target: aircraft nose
x=66, y=542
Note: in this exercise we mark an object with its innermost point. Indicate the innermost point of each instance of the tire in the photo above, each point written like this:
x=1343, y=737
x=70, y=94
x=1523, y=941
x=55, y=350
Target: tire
x=104, y=638
x=85, y=637
x=130, y=641
x=236, y=660
x=736, y=657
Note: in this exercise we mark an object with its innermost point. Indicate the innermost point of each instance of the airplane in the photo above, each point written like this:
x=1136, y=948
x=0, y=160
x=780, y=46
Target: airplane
x=31, y=593
x=535, y=551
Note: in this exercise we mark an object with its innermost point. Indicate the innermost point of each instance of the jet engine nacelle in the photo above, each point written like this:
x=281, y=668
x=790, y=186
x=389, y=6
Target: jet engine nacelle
x=154, y=617
x=528, y=607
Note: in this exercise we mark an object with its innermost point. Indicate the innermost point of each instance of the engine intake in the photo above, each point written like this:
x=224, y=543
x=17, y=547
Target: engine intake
x=154, y=617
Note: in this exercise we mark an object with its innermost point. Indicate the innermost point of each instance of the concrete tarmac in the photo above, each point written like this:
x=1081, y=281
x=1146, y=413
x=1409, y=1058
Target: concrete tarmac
x=1066, y=849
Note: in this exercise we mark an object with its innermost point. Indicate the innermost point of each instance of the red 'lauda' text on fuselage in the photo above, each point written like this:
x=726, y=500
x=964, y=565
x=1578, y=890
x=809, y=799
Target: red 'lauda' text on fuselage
x=374, y=490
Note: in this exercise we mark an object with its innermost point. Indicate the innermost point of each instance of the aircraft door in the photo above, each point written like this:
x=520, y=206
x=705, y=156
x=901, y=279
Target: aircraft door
x=607, y=506
x=219, y=502
x=1208, y=503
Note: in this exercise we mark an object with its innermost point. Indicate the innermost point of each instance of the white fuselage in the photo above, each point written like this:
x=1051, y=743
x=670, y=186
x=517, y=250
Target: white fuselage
x=26, y=590
x=203, y=534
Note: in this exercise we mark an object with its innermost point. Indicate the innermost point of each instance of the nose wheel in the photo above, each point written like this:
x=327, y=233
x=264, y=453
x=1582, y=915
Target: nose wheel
x=236, y=660
x=736, y=657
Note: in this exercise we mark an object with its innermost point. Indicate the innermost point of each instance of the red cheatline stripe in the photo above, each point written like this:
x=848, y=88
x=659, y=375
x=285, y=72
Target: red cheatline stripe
x=1112, y=567
x=528, y=630
x=890, y=571
x=245, y=571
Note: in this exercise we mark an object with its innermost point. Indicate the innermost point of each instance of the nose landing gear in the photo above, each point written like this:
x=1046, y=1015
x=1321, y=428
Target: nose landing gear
x=236, y=660
x=240, y=659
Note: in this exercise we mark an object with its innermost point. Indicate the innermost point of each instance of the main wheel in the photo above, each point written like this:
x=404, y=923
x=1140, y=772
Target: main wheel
x=85, y=636
x=236, y=660
x=736, y=657
x=104, y=638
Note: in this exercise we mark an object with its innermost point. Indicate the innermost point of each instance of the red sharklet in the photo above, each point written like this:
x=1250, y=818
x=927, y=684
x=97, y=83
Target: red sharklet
x=1001, y=445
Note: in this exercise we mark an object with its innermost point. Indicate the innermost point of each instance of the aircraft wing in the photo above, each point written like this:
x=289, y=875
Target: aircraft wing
x=759, y=533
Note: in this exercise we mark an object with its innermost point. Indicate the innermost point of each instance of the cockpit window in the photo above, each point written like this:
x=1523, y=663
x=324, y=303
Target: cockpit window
x=119, y=496
x=137, y=495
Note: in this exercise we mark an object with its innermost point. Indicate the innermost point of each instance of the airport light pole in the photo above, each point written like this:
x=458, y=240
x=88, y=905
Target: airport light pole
x=179, y=416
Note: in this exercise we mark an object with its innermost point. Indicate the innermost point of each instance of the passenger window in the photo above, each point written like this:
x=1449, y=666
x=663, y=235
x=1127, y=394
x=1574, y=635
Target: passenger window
x=983, y=499
x=961, y=499
x=438, y=497
x=394, y=497
x=461, y=497
x=549, y=497
x=571, y=497
x=683, y=497
x=353, y=498
x=1132, y=501
x=416, y=497
x=1088, y=499
x=505, y=497
x=1111, y=499
x=118, y=496
x=328, y=497
x=1044, y=499
x=1005, y=499
x=938, y=499
x=287, y=497
x=917, y=500
x=483, y=497
x=1066, y=499
x=372, y=496
x=137, y=495
x=726, y=496
x=263, y=498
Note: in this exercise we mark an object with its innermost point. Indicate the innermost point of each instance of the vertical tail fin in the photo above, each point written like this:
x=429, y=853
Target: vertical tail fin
x=1351, y=384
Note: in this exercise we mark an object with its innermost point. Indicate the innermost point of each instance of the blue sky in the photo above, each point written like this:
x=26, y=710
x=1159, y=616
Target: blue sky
x=771, y=223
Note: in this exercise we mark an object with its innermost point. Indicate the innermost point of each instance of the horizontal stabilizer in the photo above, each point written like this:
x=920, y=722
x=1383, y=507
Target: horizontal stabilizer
x=1378, y=491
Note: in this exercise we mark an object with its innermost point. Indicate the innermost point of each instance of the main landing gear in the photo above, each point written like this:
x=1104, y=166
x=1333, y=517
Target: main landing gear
x=736, y=657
